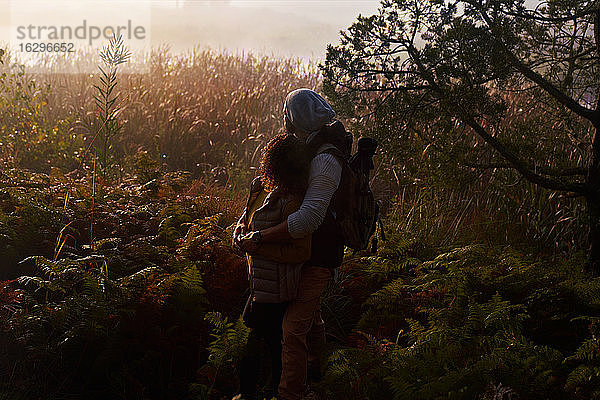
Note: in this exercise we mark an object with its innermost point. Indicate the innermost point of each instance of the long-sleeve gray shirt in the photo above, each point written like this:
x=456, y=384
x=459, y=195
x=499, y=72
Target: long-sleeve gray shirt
x=324, y=179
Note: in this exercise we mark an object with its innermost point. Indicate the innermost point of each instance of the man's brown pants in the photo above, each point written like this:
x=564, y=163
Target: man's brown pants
x=302, y=319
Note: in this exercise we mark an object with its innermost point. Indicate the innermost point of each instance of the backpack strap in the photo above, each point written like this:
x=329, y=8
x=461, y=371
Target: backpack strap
x=335, y=152
x=256, y=185
x=332, y=135
x=255, y=188
x=340, y=156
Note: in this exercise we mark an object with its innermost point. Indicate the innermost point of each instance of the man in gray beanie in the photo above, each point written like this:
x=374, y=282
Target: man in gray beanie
x=306, y=113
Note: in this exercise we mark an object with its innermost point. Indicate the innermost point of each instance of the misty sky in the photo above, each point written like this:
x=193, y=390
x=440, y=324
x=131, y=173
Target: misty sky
x=285, y=27
x=297, y=28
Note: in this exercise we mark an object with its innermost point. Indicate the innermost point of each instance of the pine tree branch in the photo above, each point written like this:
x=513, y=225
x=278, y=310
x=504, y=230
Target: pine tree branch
x=519, y=164
x=535, y=16
x=551, y=89
x=515, y=161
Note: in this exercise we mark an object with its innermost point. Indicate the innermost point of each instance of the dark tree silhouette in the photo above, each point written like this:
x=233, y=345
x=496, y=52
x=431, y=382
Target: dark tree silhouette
x=451, y=63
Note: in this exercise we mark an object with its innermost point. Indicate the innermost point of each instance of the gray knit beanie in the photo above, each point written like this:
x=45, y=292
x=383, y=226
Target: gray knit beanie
x=307, y=110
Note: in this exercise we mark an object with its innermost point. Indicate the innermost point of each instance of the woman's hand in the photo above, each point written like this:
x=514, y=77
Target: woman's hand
x=247, y=244
x=240, y=231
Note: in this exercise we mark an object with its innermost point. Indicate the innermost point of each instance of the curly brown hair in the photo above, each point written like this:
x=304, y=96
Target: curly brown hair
x=284, y=165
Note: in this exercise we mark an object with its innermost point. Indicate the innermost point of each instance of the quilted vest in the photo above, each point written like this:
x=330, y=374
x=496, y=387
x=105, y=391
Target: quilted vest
x=270, y=281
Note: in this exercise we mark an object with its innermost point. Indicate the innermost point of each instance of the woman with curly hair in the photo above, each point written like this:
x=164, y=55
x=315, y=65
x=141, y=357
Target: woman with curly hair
x=274, y=269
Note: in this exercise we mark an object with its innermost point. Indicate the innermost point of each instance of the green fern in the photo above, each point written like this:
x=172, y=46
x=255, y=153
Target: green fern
x=229, y=340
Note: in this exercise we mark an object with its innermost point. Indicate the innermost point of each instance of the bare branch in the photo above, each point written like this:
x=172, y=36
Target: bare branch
x=533, y=15
x=511, y=157
x=555, y=92
x=575, y=171
x=519, y=164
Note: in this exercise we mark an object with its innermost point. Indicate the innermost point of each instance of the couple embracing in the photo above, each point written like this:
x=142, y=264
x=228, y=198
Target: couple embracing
x=293, y=244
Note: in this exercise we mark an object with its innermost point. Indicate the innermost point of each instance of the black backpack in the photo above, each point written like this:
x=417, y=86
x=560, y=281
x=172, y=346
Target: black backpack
x=355, y=209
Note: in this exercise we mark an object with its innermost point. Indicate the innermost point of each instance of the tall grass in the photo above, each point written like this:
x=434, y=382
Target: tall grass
x=107, y=98
x=209, y=112
x=193, y=111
